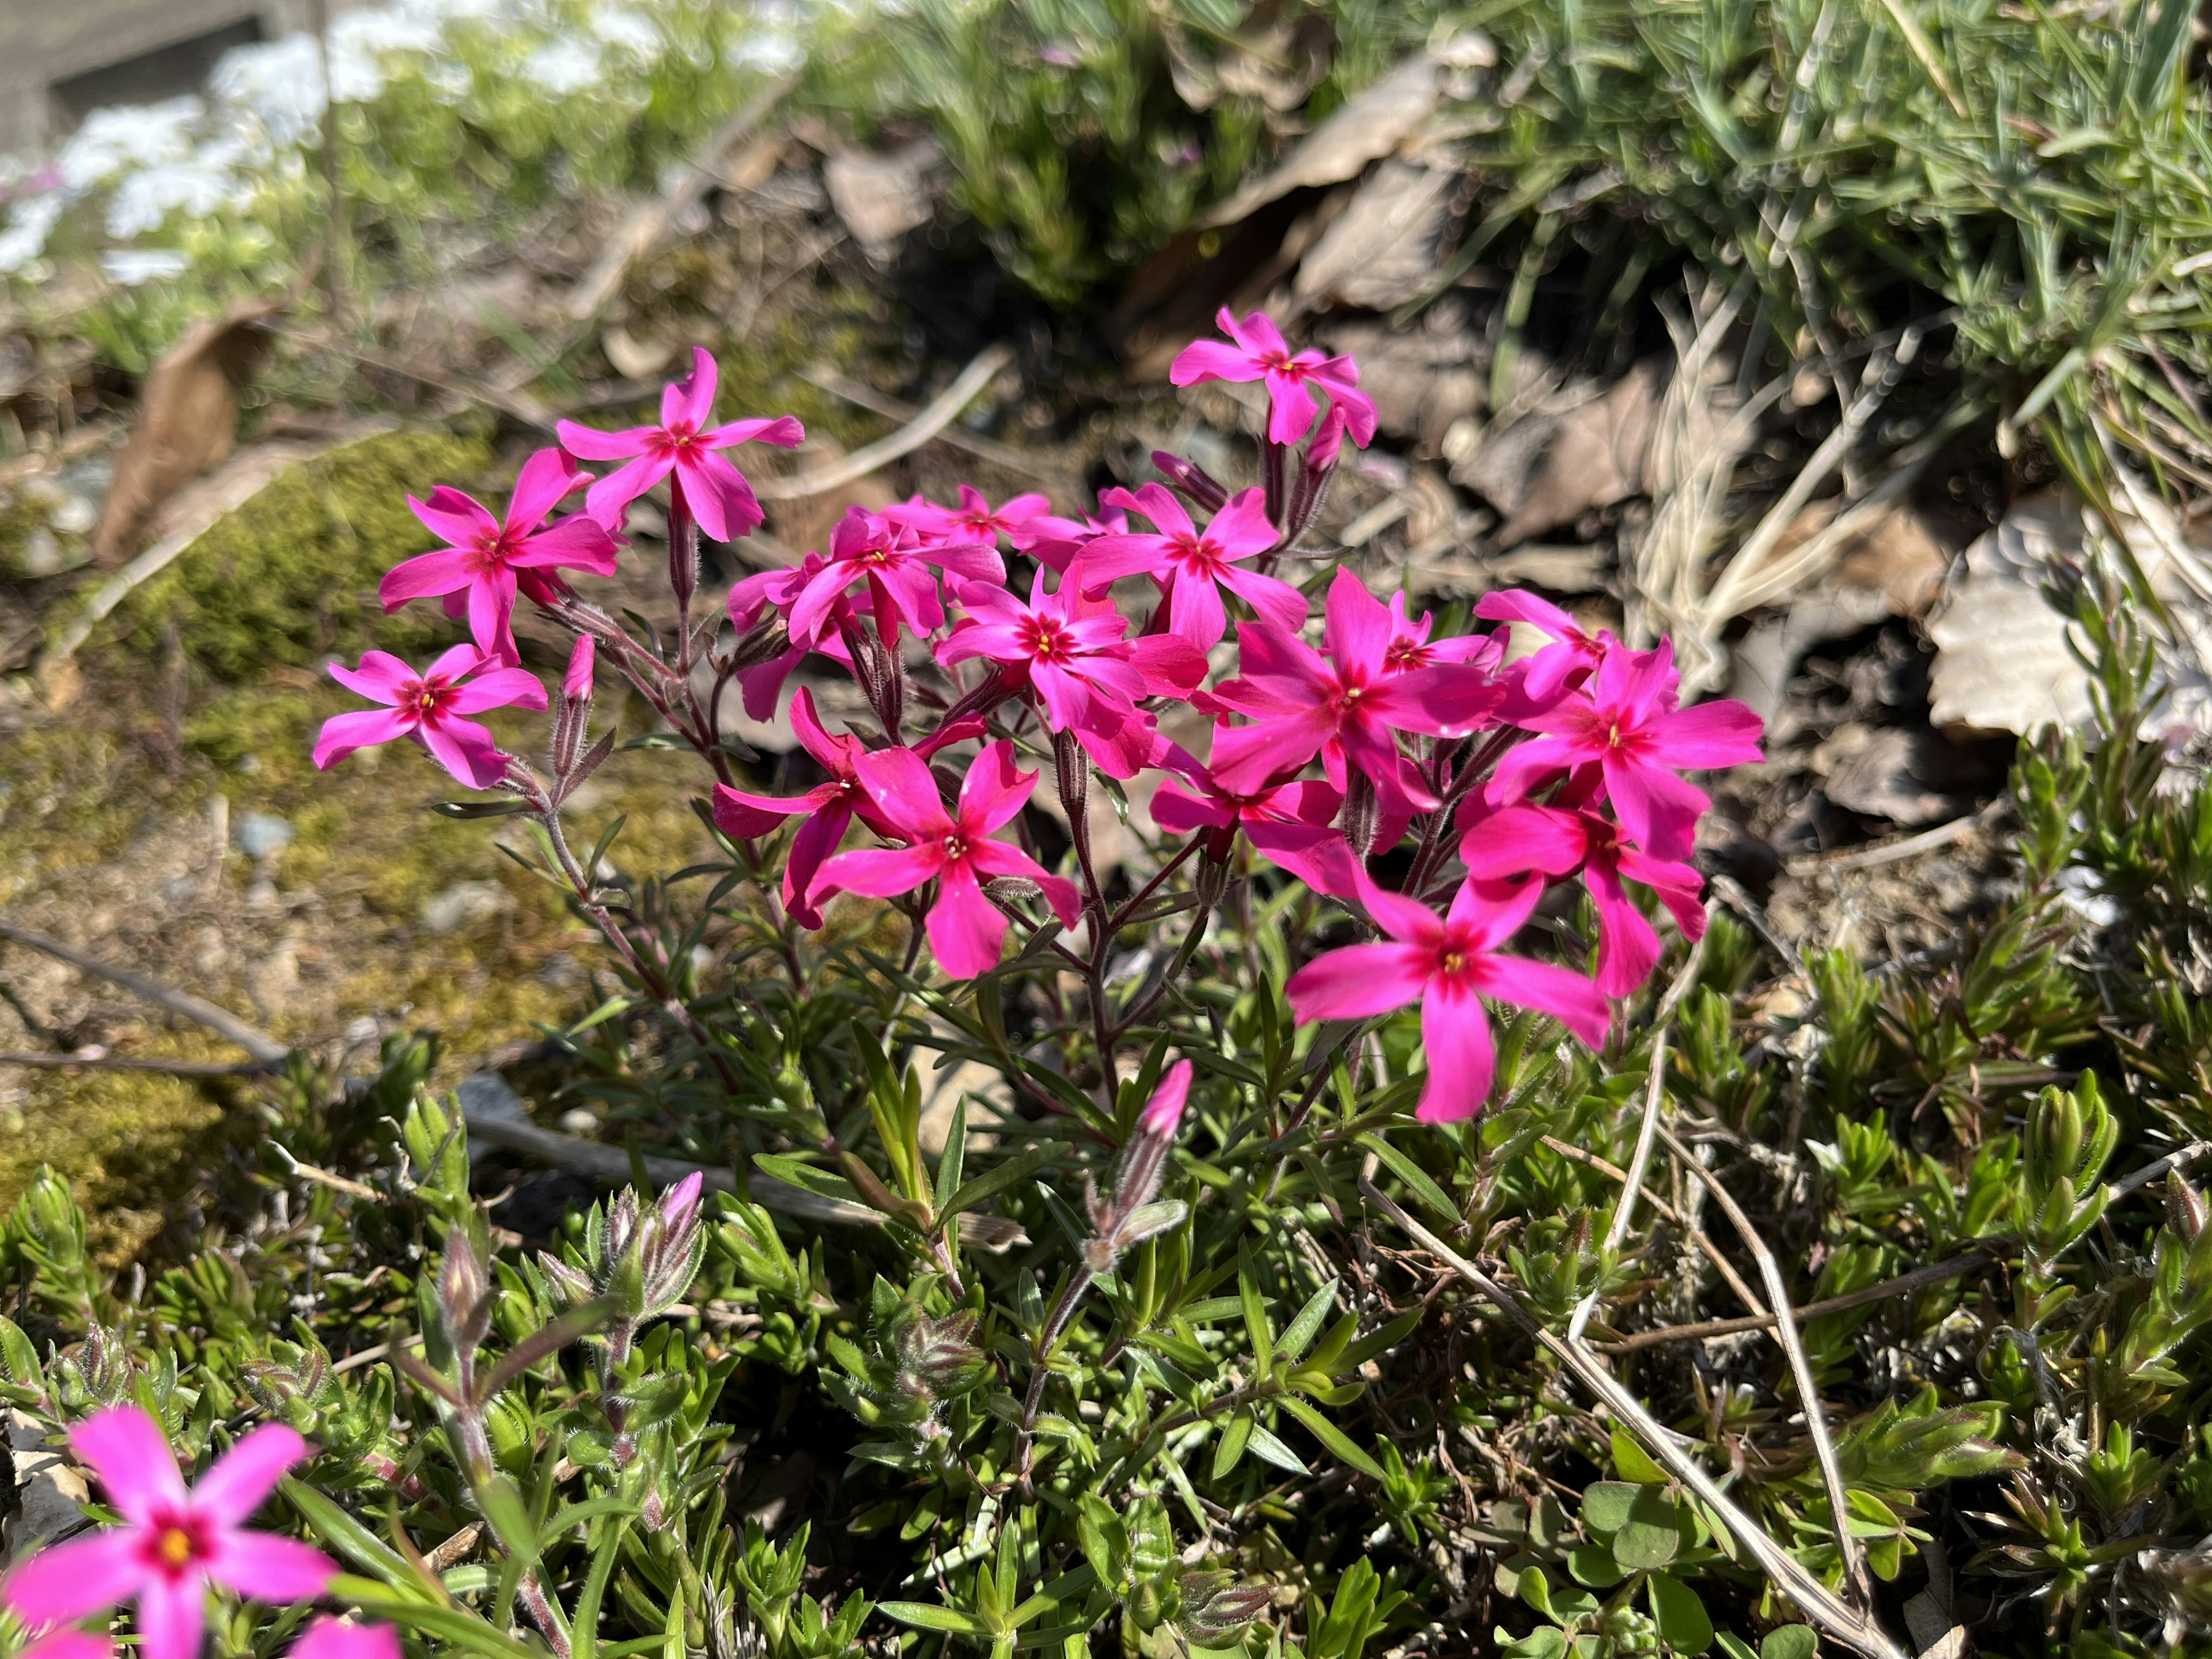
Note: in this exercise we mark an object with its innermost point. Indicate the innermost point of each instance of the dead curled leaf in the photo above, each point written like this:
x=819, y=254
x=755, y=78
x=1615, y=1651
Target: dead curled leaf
x=1371, y=126
x=1543, y=471
x=881, y=197
x=187, y=423
x=1381, y=250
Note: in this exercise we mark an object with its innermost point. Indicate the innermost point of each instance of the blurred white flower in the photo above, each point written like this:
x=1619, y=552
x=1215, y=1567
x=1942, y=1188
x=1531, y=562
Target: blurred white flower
x=28, y=226
x=134, y=266
x=280, y=83
x=631, y=30
x=563, y=66
x=200, y=186
x=111, y=140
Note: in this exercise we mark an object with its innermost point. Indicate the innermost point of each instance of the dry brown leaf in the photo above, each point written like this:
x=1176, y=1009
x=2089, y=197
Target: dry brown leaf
x=1899, y=555
x=881, y=198
x=1886, y=772
x=1421, y=381
x=1594, y=457
x=187, y=423
x=1381, y=250
x=1368, y=127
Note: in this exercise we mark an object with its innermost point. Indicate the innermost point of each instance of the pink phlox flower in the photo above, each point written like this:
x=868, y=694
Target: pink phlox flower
x=1410, y=647
x=952, y=848
x=1060, y=549
x=343, y=1638
x=1162, y=1113
x=1520, y=839
x=1024, y=520
x=684, y=446
x=1068, y=648
x=1290, y=824
x=899, y=572
x=1261, y=353
x=174, y=1543
x=1193, y=566
x=1343, y=707
x=428, y=707
x=828, y=808
x=1447, y=964
x=1535, y=682
x=479, y=568
x=779, y=590
x=1623, y=720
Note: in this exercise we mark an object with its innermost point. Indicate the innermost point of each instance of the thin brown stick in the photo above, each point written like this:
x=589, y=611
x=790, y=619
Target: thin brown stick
x=1904, y=1285
x=259, y=1044
x=1748, y=1297
x=1020, y=462
x=942, y=411
x=1854, y=1628
x=43, y=1060
x=1856, y=1577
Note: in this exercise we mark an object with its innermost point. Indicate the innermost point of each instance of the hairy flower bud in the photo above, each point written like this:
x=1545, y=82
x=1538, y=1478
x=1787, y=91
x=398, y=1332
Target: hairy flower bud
x=1205, y=493
x=465, y=1294
x=1217, y=1609
x=1310, y=488
x=577, y=683
x=1131, y=1216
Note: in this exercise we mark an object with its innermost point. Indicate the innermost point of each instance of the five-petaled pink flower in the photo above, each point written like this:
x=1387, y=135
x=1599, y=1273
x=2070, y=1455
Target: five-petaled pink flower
x=828, y=808
x=1196, y=565
x=1410, y=647
x=1068, y=648
x=1447, y=965
x=1261, y=353
x=1569, y=654
x=779, y=590
x=897, y=565
x=1342, y=707
x=1289, y=824
x=479, y=567
x=714, y=492
x=1624, y=721
x=428, y=707
x=174, y=1543
x=1024, y=520
x=1520, y=839
x=952, y=848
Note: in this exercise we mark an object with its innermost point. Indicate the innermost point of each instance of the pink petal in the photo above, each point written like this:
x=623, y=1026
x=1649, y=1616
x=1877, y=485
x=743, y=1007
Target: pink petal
x=691, y=403
x=784, y=431
x=1406, y=919
x=491, y=607
x=246, y=1474
x=1462, y=1062
x=1209, y=359
x=1171, y=667
x=1527, y=764
x=467, y=750
x=899, y=784
x=1628, y=946
x=1256, y=334
x=994, y=789
x=970, y=561
x=882, y=871
x=1179, y=812
x=1164, y=1111
x=172, y=1617
x=748, y=817
x=823, y=591
x=1267, y=651
x=1246, y=758
x=1195, y=611
x=453, y=662
x=381, y=677
x=344, y=734
x=499, y=688
x=1712, y=734
x=545, y=478
x=269, y=1568
x=341, y=1639
x=68, y=1643
x=966, y=930
x=719, y=499
x=811, y=849
x=1522, y=838
x=130, y=1453
x=1360, y=979
x=1486, y=914
x=445, y=571
x=1658, y=811
x=594, y=445
x=1567, y=997
x=1276, y=600
x=1518, y=605
x=996, y=857
x=578, y=540
x=1291, y=408
x=1317, y=856
x=65, y=1581
x=605, y=500
x=1242, y=529
x=1107, y=559
x=1356, y=634
x=1679, y=887
x=1339, y=378
x=454, y=517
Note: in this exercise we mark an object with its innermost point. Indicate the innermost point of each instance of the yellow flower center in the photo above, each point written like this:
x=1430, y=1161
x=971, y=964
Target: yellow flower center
x=174, y=1547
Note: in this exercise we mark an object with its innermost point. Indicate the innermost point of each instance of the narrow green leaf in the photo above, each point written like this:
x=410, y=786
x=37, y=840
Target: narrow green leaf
x=1338, y=1443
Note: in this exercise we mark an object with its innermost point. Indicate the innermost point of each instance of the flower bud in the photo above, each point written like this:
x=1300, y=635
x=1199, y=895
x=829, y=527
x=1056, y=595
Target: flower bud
x=1310, y=488
x=577, y=686
x=464, y=1296
x=1205, y=493
x=1217, y=1609
x=1163, y=1114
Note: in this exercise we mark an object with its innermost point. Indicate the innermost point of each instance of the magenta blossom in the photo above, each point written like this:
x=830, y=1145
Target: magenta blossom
x=1520, y=839
x=1058, y=552
x=174, y=1544
x=1412, y=648
x=342, y=1638
x=68, y=1643
x=1069, y=649
x=480, y=564
x=1262, y=354
x=898, y=570
x=1624, y=723
x=953, y=849
x=1342, y=707
x=1447, y=965
x=1024, y=520
x=779, y=590
x=1569, y=657
x=1194, y=565
x=828, y=808
x=714, y=492
x=428, y=707
x=1289, y=824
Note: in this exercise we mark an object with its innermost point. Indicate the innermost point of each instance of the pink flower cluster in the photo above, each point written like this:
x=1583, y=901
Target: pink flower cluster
x=1477, y=768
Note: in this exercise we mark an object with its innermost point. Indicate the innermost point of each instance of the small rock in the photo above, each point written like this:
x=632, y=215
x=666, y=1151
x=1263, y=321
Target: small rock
x=50, y=1493
x=580, y=1120
x=263, y=835
x=464, y=903
x=486, y=1096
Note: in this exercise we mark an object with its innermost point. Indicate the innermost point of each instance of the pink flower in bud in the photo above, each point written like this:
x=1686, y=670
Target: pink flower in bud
x=427, y=707
x=1262, y=354
x=342, y=1638
x=1163, y=1114
x=174, y=1544
x=577, y=684
x=679, y=1204
x=713, y=491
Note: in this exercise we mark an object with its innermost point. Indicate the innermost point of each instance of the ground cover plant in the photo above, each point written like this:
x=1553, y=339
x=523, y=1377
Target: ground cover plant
x=1409, y=1214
